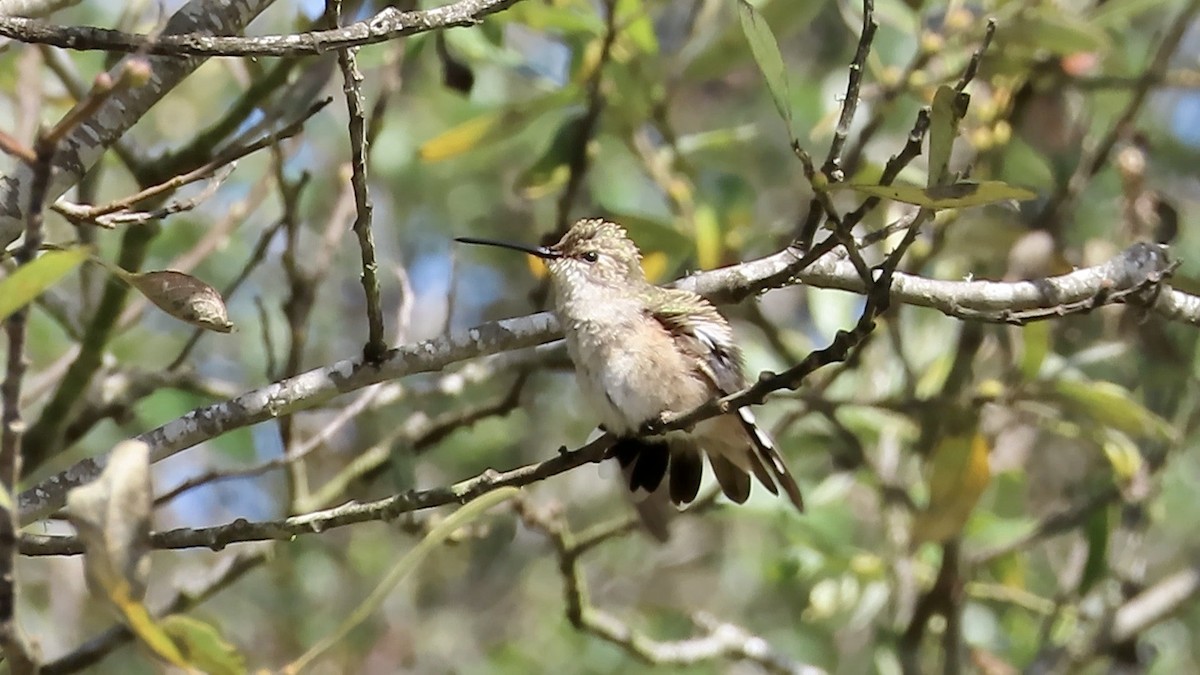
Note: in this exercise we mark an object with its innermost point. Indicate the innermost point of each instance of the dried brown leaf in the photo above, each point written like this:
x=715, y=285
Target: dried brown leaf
x=184, y=297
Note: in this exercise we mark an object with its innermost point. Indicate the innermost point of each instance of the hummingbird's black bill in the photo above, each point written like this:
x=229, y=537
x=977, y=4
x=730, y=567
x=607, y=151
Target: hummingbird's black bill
x=539, y=251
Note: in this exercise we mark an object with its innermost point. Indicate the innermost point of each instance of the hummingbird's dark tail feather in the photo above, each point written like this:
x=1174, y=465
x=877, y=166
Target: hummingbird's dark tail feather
x=644, y=460
x=735, y=483
x=687, y=468
x=653, y=507
x=766, y=453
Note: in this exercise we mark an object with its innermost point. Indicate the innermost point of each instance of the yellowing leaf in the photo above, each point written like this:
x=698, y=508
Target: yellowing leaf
x=202, y=646
x=958, y=475
x=1124, y=455
x=953, y=196
x=31, y=280
x=148, y=632
x=1112, y=406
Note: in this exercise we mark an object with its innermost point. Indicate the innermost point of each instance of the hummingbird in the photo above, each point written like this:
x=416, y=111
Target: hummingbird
x=641, y=352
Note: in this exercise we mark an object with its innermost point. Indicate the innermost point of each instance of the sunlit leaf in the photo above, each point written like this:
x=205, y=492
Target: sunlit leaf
x=202, y=646
x=770, y=60
x=1124, y=456
x=32, y=279
x=637, y=28
x=958, y=475
x=954, y=196
x=948, y=109
x=1112, y=406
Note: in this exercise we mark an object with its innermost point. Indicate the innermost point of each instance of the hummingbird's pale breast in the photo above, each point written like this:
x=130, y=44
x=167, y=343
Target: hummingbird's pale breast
x=629, y=368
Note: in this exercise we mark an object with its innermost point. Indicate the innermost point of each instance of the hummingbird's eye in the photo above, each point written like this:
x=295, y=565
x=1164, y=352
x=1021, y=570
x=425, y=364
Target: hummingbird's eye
x=590, y=256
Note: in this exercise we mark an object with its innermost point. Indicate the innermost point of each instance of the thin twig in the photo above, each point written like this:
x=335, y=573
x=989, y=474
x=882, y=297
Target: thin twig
x=376, y=346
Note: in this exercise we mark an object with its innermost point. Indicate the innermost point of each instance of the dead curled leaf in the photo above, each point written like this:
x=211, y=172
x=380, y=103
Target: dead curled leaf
x=112, y=517
x=184, y=297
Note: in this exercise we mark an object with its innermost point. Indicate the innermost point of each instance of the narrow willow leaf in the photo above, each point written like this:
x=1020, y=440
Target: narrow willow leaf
x=142, y=624
x=769, y=59
x=31, y=280
x=1035, y=346
x=954, y=196
x=1112, y=406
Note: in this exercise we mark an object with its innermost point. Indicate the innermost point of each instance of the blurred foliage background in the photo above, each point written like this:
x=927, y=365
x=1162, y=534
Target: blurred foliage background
x=982, y=498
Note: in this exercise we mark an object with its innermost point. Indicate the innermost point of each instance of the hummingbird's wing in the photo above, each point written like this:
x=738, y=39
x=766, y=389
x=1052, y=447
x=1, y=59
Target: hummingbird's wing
x=700, y=330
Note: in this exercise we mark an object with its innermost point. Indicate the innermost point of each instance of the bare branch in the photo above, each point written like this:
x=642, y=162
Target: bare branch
x=389, y=24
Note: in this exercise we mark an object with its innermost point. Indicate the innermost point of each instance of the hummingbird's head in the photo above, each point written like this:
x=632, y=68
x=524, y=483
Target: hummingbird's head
x=593, y=252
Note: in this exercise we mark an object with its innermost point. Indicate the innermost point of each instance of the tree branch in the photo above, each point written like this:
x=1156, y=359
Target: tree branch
x=389, y=24
x=85, y=144
x=1136, y=275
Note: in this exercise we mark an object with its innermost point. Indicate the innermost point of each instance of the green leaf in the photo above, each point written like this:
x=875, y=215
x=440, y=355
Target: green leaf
x=1035, y=343
x=31, y=280
x=954, y=196
x=464, y=516
x=1111, y=406
x=949, y=107
x=636, y=26
x=769, y=59
x=1096, y=530
x=203, y=647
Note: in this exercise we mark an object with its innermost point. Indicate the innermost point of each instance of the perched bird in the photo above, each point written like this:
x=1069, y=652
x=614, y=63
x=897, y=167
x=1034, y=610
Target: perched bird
x=641, y=351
